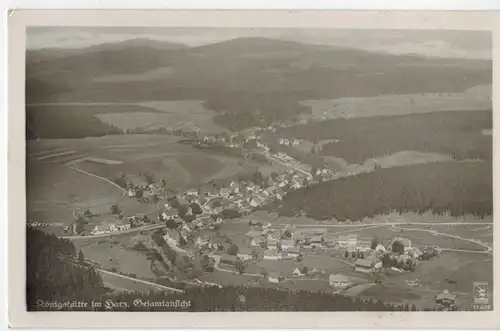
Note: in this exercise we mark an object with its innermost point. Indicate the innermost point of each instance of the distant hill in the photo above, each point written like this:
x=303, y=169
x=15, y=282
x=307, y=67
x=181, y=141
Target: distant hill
x=261, y=78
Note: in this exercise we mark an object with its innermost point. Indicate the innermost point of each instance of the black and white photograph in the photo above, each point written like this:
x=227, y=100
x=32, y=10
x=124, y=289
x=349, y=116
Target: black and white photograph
x=223, y=169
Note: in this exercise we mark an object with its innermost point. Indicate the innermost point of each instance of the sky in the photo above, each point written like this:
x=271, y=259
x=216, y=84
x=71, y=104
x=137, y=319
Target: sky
x=456, y=44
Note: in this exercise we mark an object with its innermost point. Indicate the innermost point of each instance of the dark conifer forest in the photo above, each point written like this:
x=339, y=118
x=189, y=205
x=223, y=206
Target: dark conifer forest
x=454, y=187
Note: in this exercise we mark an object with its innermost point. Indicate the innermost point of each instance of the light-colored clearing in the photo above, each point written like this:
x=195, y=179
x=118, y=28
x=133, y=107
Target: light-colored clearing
x=477, y=98
x=158, y=73
x=185, y=115
x=408, y=158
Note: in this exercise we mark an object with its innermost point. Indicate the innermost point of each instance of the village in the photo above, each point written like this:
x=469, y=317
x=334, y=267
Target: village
x=192, y=222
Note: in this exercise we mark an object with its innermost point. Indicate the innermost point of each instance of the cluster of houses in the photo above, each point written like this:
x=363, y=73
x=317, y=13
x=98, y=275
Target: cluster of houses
x=289, y=142
x=107, y=228
x=216, y=196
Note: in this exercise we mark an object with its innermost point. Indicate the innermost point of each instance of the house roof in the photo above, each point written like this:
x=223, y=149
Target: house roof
x=295, y=250
x=272, y=242
x=259, y=239
x=352, y=236
x=338, y=278
x=287, y=242
x=364, y=263
x=171, y=212
x=192, y=190
x=343, y=238
x=253, y=233
x=445, y=295
x=227, y=257
x=316, y=238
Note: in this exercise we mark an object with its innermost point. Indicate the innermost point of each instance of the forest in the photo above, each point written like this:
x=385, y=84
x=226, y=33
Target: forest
x=453, y=133
x=56, y=272
x=68, y=123
x=454, y=187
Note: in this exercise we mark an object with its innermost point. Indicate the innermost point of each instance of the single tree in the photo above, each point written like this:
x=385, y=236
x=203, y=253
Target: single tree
x=240, y=266
x=87, y=213
x=115, y=210
x=195, y=208
x=232, y=249
x=81, y=258
x=171, y=223
x=148, y=177
x=398, y=247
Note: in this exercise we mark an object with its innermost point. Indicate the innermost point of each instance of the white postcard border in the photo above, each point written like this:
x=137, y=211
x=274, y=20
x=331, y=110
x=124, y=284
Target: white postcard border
x=19, y=19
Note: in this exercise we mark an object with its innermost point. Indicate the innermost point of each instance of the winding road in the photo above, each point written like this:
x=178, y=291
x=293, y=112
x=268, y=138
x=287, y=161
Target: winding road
x=158, y=286
x=488, y=249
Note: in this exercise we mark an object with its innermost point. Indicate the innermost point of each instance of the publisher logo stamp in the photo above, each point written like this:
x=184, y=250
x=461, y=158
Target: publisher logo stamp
x=480, y=291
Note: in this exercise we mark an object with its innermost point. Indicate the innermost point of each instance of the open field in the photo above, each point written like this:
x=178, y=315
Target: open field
x=134, y=155
x=51, y=197
x=476, y=98
x=170, y=115
x=112, y=255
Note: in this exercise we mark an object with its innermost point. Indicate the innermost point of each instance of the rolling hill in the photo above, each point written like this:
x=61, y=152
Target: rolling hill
x=264, y=79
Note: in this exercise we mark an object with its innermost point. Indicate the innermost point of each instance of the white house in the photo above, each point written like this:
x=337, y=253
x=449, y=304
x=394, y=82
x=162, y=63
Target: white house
x=97, y=230
x=192, y=192
x=224, y=192
x=273, y=280
x=272, y=244
x=255, y=202
x=380, y=248
x=297, y=272
x=244, y=257
x=123, y=227
x=287, y=244
x=338, y=281
x=202, y=241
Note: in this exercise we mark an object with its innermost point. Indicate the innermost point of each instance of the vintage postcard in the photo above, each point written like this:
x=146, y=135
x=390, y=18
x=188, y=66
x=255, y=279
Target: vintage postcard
x=220, y=166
